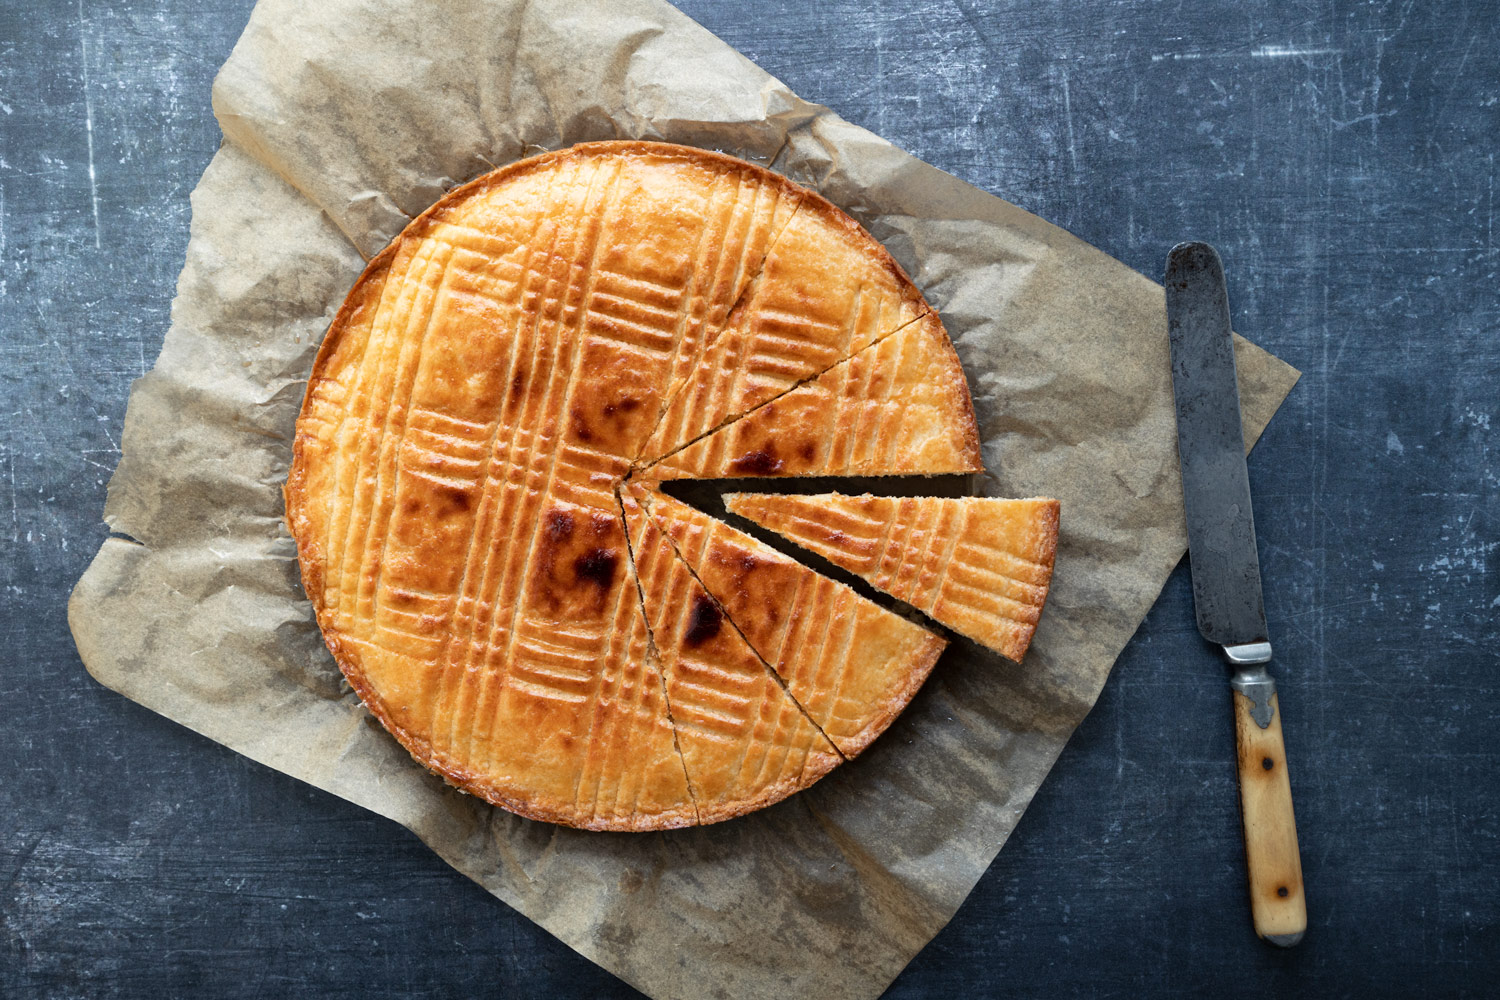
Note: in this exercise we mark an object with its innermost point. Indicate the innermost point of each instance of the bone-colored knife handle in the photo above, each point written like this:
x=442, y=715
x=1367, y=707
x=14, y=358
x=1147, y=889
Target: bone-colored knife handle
x=1277, y=903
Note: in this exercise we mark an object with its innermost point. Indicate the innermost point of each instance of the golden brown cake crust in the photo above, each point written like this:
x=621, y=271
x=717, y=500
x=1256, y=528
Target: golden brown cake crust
x=421, y=601
x=723, y=740
x=899, y=406
x=853, y=665
x=980, y=565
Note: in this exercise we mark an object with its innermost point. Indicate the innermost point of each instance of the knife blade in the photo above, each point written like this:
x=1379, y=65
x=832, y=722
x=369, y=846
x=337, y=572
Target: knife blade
x=1227, y=598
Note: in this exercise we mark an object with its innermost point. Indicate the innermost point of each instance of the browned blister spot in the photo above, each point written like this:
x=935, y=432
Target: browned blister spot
x=559, y=525
x=580, y=427
x=577, y=560
x=597, y=566
x=756, y=593
x=428, y=531
x=454, y=500
x=626, y=405
x=704, y=621
x=614, y=379
x=760, y=462
x=399, y=598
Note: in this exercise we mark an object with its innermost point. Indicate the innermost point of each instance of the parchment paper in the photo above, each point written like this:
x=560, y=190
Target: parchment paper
x=344, y=118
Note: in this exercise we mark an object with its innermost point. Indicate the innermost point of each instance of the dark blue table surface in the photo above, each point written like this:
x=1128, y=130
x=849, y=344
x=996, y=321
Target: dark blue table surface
x=1341, y=156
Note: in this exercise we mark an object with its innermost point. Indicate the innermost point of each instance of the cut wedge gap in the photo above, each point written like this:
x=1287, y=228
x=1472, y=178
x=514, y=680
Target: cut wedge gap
x=707, y=494
x=706, y=497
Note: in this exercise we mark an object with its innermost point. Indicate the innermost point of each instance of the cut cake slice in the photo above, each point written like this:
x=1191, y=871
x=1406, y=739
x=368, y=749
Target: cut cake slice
x=825, y=292
x=981, y=566
x=744, y=741
x=850, y=663
x=900, y=406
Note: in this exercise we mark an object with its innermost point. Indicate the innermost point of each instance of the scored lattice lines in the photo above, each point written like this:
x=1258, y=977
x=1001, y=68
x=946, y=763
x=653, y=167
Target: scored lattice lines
x=341, y=523
x=770, y=670
x=399, y=355
x=627, y=694
x=477, y=555
x=561, y=665
x=794, y=386
x=652, y=654
x=711, y=332
x=593, y=217
x=622, y=312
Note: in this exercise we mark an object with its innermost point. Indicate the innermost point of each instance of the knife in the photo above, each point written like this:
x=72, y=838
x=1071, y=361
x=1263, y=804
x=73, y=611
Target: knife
x=1226, y=577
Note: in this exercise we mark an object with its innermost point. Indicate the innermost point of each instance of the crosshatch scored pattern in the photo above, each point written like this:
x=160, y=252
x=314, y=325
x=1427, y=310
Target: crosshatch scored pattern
x=514, y=618
x=979, y=565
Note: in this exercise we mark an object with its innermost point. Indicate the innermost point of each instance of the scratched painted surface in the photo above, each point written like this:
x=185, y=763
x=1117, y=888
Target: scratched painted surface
x=1341, y=156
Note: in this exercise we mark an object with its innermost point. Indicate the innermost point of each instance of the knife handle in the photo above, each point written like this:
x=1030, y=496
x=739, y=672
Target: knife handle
x=1277, y=903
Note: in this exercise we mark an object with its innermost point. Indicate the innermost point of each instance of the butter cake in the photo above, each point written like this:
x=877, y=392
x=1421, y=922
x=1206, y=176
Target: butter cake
x=980, y=566
x=493, y=377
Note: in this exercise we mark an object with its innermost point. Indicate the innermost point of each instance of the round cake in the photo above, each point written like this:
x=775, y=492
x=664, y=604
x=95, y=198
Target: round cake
x=473, y=488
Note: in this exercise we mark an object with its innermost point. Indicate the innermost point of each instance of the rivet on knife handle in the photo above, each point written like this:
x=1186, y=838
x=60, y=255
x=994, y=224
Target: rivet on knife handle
x=1227, y=598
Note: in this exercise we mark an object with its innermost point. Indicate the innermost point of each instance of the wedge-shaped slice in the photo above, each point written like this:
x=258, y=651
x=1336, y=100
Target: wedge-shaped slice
x=827, y=290
x=978, y=565
x=849, y=662
x=745, y=742
x=900, y=406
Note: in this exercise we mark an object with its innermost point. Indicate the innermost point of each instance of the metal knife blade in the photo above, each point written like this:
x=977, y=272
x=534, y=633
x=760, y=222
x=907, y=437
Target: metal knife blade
x=1215, y=486
x=1227, y=596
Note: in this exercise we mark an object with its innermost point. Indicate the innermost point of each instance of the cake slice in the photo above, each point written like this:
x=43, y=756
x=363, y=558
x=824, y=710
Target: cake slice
x=825, y=292
x=900, y=406
x=849, y=662
x=744, y=741
x=981, y=566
